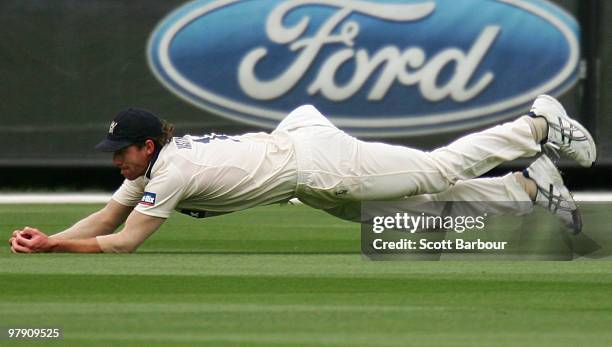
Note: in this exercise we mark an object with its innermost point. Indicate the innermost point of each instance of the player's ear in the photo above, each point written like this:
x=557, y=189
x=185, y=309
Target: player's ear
x=149, y=146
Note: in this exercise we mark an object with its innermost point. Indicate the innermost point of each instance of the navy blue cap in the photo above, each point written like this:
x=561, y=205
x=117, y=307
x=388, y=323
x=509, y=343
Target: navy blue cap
x=129, y=127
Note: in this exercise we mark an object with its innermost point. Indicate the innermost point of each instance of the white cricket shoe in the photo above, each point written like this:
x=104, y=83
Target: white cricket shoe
x=565, y=135
x=552, y=194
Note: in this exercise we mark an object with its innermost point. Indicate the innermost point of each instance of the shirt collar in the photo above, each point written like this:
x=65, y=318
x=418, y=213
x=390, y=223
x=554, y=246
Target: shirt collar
x=152, y=162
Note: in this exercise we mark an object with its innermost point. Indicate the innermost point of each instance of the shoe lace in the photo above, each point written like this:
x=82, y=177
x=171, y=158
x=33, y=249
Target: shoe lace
x=568, y=132
x=554, y=201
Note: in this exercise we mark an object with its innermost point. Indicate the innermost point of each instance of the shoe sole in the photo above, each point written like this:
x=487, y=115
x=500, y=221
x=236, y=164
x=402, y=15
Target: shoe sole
x=549, y=167
x=557, y=105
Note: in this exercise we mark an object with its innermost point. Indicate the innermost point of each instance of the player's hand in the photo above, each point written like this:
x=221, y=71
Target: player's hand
x=31, y=240
x=13, y=236
x=12, y=240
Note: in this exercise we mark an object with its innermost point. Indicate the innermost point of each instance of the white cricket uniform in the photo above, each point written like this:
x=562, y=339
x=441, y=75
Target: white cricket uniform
x=307, y=157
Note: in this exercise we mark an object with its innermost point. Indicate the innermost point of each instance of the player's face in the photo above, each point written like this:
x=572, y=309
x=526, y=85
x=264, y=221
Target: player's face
x=132, y=161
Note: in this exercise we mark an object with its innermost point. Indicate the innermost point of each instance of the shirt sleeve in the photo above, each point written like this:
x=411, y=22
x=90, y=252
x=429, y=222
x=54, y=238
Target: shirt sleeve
x=163, y=193
x=130, y=192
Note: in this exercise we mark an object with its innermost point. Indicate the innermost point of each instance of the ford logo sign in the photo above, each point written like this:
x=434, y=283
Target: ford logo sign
x=375, y=68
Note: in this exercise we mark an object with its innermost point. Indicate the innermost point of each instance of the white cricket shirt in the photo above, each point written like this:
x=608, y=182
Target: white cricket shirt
x=214, y=174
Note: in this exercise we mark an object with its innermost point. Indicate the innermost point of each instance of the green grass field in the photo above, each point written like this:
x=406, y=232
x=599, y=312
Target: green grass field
x=292, y=276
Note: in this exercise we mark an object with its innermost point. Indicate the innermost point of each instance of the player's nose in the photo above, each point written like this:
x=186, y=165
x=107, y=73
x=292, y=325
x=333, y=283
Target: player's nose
x=117, y=159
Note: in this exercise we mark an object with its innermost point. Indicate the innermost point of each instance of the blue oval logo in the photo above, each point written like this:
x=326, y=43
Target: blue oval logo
x=375, y=68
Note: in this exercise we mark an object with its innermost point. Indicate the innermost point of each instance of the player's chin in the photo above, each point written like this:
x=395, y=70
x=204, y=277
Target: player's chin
x=128, y=175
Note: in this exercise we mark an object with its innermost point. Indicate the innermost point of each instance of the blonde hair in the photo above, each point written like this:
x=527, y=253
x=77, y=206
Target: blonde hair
x=166, y=135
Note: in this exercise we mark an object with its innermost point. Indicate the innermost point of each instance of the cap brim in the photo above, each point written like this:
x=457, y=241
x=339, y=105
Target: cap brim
x=112, y=146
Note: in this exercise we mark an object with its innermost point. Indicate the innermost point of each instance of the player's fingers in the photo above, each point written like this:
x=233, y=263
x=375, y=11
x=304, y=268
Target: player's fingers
x=30, y=230
x=19, y=248
x=26, y=235
x=16, y=232
x=24, y=240
x=10, y=241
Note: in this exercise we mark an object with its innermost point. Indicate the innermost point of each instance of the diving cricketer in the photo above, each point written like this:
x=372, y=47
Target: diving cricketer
x=308, y=158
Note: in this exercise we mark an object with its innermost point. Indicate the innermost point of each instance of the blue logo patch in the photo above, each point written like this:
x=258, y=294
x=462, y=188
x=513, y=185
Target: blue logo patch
x=148, y=199
x=375, y=68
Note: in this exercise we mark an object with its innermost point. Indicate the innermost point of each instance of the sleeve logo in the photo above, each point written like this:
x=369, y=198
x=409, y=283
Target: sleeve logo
x=148, y=199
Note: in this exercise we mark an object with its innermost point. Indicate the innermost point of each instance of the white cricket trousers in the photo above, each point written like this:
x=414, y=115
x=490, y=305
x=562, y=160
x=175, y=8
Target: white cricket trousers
x=335, y=170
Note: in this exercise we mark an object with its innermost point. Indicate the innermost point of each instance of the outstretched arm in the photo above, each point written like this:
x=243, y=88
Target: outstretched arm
x=102, y=222
x=138, y=228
